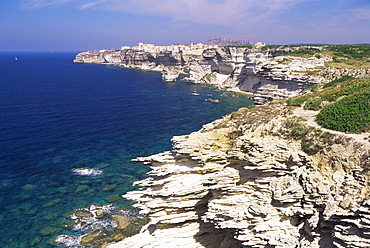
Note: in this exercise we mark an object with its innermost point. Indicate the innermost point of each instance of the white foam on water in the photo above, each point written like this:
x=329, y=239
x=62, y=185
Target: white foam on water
x=86, y=172
x=69, y=240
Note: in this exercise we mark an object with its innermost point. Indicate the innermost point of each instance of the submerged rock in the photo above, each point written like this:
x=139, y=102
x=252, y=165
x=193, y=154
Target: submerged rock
x=90, y=238
x=109, y=187
x=99, y=225
x=52, y=203
x=81, y=188
x=29, y=187
x=83, y=213
x=48, y=231
x=122, y=221
x=35, y=241
x=113, y=198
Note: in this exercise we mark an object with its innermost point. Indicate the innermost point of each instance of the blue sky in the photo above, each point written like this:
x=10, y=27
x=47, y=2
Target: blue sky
x=79, y=25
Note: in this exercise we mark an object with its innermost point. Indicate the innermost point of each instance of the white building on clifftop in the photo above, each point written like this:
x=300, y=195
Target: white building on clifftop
x=151, y=48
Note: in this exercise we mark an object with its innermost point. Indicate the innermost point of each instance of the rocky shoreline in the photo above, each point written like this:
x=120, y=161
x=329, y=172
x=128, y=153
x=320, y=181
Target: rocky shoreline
x=259, y=70
x=260, y=177
x=246, y=181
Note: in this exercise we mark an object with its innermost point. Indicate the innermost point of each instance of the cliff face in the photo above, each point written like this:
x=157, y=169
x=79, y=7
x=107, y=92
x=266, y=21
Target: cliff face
x=256, y=70
x=251, y=180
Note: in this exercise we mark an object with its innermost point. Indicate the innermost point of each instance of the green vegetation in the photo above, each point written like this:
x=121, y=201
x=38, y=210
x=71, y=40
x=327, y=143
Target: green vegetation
x=338, y=80
x=344, y=104
x=284, y=61
x=313, y=140
x=349, y=56
x=344, y=89
x=357, y=52
x=343, y=56
x=295, y=128
x=314, y=103
x=295, y=101
x=313, y=88
x=351, y=114
x=304, y=52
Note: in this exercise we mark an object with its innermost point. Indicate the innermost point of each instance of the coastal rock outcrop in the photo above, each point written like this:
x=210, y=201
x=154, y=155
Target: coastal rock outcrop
x=259, y=69
x=244, y=181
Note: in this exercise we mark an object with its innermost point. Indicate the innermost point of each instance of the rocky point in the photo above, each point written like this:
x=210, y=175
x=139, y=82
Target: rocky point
x=247, y=181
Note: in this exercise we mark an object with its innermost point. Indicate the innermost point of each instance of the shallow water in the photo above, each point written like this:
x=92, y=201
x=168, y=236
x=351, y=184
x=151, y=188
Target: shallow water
x=57, y=116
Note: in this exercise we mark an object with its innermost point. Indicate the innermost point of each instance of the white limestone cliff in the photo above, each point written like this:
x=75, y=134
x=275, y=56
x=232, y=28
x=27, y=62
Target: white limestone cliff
x=258, y=70
x=243, y=181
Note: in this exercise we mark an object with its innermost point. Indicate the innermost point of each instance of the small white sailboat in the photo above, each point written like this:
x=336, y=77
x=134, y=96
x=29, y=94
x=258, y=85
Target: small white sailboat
x=15, y=58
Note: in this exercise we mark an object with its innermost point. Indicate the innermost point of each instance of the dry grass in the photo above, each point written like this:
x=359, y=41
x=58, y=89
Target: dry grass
x=342, y=62
x=351, y=64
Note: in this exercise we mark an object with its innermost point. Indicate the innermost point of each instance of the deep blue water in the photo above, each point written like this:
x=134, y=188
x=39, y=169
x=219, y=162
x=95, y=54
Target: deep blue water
x=56, y=116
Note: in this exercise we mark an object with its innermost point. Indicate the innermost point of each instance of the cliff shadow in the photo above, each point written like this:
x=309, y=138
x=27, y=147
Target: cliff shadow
x=208, y=235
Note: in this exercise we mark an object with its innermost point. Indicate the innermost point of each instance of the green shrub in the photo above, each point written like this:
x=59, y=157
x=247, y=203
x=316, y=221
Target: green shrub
x=339, y=54
x=357, y=52
x=338, y=80
x=313, y=87
x=300, y=52
x=295, y=101
x=313, y=104
x=351, y=114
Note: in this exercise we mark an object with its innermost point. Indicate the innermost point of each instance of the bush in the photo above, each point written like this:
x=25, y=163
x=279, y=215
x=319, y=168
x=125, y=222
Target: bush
x=338, y=80
x=339, y=54
x=351, y=114
x=356, y=52
x=300, y=52
x=296, y=101
x=313, y=103
x=313, y=87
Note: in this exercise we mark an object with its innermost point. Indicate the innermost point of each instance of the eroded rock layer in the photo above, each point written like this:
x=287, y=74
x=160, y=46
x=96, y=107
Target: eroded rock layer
x=247, y=181
x=258, y=70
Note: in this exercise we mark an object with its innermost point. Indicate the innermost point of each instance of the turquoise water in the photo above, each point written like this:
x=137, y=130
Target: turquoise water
x=57, y=116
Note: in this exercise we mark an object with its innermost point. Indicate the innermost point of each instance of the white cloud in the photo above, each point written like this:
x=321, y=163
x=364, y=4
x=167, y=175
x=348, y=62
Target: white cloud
x=199, y=11
x=32, y=4
x=202, y=11
x=219, y=12
x=255, y=17
x=361, y=14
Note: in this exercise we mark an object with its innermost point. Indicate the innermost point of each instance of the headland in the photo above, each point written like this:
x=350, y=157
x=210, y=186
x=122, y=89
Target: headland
x=290, y=173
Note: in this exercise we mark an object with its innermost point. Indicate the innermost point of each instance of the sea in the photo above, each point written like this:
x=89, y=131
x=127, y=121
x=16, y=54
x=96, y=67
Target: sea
x=68, y=133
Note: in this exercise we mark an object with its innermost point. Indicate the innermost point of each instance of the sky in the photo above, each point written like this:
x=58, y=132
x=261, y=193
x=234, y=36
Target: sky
x=81, y=25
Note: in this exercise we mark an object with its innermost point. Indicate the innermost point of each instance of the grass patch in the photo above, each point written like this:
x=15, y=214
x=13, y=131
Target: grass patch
x=338, y=80
x=301, y=53
x=356, y=52
x=313, y=103
x=353, y=57
x=313, y=88
x=295, y=101
x=313, y=140
x=284, y=61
